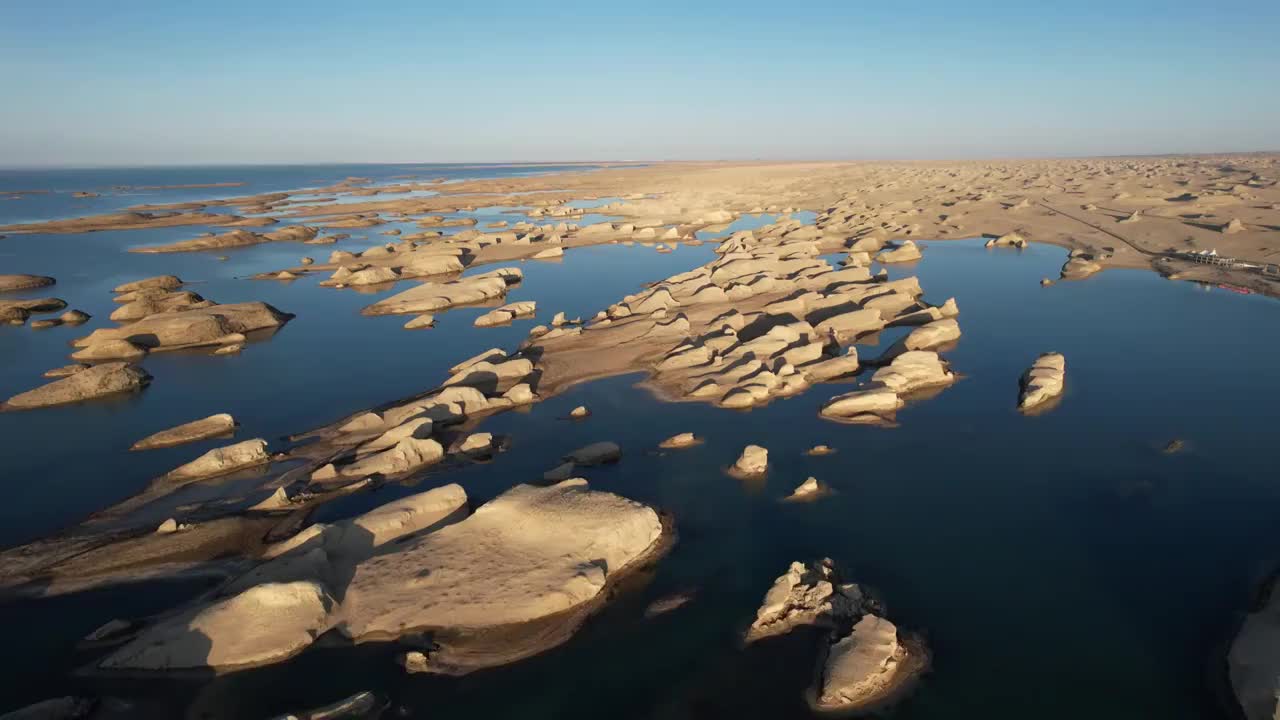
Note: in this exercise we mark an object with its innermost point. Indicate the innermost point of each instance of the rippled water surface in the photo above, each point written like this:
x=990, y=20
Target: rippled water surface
x=1061, y=566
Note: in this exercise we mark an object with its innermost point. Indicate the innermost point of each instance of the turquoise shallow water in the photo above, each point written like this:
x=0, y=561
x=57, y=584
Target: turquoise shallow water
x=1061, y=566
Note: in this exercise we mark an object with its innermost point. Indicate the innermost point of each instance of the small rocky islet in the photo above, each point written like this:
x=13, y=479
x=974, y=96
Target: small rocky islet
x=492, y=582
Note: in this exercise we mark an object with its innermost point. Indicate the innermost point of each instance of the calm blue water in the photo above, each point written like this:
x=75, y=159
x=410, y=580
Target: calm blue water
x=120, y=188
x=1061, y=566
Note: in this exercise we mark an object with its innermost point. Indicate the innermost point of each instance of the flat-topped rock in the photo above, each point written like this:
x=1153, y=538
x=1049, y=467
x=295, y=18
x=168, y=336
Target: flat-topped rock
x=95, y=382
x=162, y=282
x=194, y=431
x=10, y=283
x=264, y=624
x=528, y=555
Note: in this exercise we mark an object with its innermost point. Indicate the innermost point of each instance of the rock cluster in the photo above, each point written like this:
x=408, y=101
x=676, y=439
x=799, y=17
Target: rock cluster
x=866, y=661
x=879, y=400
x=540, y=556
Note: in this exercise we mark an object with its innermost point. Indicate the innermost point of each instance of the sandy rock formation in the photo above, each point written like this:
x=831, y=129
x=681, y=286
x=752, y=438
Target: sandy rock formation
x=216, y=325
x=95, y=382
x=263, y=624
x=532, y=554
x=1043, y=381
x=434, y=296
x=1013, y=239
x=507, y=313
x=929, y=336
x=867, y=666
x=906, y=251
x=681, y=440
x=159, y=282
x=221, y=461
x=864, y=660
x=807, y=490
x=877, y=402
x=194, y=431
x=24, y=282
x=805, y=596
x=754, y=460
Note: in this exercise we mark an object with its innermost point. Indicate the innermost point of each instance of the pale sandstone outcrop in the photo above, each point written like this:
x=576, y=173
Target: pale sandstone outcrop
x=682, y=440
x=929, y=336
x=1043, y=381
x=805, y=596
x=221, y=461
x=864, y=661
x=24, y=282
x=914, y=370
x=214, y=325
x=407, y=455
x=528, y=555
x=507, y=313
x=95, y=382
x=807, y=490
x=906, y=251
x=265, y=623
x=436, y=296
x=161, y=282
x=110, y=350
x=203, y=429
x=65, y=370
x=754, y=460
x=867, y=666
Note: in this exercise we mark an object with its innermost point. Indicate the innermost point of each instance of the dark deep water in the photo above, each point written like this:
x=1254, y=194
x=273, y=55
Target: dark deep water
x=1061, y=566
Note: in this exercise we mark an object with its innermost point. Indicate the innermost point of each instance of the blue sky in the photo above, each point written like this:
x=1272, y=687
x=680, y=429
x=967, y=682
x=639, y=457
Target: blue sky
x=128, y=83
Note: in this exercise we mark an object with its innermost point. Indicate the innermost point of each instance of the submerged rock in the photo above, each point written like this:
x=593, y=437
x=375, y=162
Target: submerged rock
x=203, y=429
x=63, y=708
x=595, y=454
x=95, y=382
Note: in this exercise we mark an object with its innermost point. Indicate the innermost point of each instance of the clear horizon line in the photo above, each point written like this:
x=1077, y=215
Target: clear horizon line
x=527, y=163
